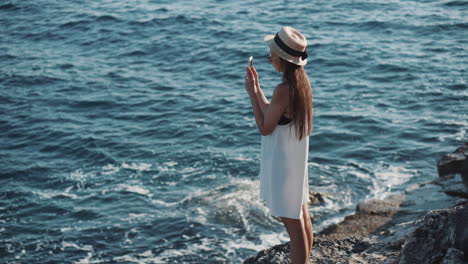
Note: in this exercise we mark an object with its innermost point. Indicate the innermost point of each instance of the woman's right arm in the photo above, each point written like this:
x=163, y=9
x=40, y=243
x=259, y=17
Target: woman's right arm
x=262, y=100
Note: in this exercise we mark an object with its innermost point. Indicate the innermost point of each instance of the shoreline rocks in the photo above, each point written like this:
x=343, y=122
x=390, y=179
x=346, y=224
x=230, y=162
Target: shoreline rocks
x=428, y=223
x=439, y=236
x=449, y=167
x=436, y=233
x=369, y=216
x=455, y=163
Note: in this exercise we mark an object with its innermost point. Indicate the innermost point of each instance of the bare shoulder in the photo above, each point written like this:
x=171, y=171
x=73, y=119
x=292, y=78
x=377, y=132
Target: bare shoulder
x=281, y=92
x=282, y=89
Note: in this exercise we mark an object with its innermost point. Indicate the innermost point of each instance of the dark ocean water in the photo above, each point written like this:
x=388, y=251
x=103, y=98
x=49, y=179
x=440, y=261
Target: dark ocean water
x=127, y=135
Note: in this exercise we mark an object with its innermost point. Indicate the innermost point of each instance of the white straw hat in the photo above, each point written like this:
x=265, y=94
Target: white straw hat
x=289, y=44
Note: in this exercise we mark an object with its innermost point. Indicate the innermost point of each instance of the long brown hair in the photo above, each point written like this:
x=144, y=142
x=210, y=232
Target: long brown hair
x=300, y=97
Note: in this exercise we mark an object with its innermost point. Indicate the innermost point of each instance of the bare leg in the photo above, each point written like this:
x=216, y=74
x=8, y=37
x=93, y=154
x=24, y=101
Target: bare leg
x=308, y=228
x=297, y=233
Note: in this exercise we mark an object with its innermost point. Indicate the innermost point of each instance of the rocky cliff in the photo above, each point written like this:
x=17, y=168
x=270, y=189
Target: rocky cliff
x=428, y=223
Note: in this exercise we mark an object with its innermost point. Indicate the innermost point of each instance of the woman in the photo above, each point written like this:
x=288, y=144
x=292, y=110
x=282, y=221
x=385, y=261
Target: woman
x=285, y=124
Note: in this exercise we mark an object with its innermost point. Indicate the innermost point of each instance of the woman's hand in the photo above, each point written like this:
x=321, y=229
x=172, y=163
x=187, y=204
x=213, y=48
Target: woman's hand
x=250, y=81
x=255, y=74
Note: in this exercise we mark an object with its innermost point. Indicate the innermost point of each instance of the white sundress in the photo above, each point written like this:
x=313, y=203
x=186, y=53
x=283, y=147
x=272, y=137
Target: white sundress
x=284, y=178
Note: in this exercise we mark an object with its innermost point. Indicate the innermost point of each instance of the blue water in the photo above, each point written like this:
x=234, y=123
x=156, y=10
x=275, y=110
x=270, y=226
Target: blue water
x=127, y=135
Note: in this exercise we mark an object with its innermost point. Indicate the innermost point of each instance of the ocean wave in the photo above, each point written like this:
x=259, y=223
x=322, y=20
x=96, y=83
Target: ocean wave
x=85, y=214
x=9, y=7
x=84, y=150
x=364, y=25
x=235, y=204
x=389, y=68
x=458, y=87
x=54, y=194
x=455, y=3
x=167, y=21
x=105, y=103
x=66, y=244
x=22, y=80
x=133, y=189
x=24, y=172
x=81, y=23
x=6, y=57
x=135, y=53
x=106, y=17
x=453, y=27
x=137, y=166
x=65, y=66
x=387, y=177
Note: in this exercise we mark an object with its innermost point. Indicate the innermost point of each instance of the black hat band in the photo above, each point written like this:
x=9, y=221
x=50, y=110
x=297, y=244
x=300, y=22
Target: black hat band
x=288, y=50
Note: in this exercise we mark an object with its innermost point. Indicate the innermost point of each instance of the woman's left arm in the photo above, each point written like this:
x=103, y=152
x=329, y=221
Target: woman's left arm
x=262, y=100
x=266, y=120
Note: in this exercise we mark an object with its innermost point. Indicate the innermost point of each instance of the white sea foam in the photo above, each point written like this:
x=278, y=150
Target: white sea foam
x=147, y=253
x=189, y=171
x=139, y=259
x=87, y=260
x=231, y=204
x=267, y=240
x=87, y=248
x=313, y=164
x=80, y=177
x=21, y=254
x=387, y=177
x=204, y=244
x=143, y=258
x=240, y=157
x=460, y=135
x=66, y=244
x=110, y=169
x=328, y=222
x=137, y=166
x=132, y=217
x=169, y=163
x=165, y=168
x=65, y=229
x=53, y=194
x=135, y=216
x=133, y=188
x=163, y=203
x=382, y=179
x=360, y=175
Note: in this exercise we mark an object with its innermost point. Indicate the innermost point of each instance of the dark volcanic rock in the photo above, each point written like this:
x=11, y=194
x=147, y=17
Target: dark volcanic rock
x=461, y=229
x=440, y=236
x=452, y=185
x=454, y=163
x=277, y=254
x=453, y=256
x=317, y=197
x=324, y=251
x=435, y=233
x=402, y=228
x=449, y=167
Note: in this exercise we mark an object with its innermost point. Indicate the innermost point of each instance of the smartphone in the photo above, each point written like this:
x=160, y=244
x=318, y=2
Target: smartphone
x=251, y=61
